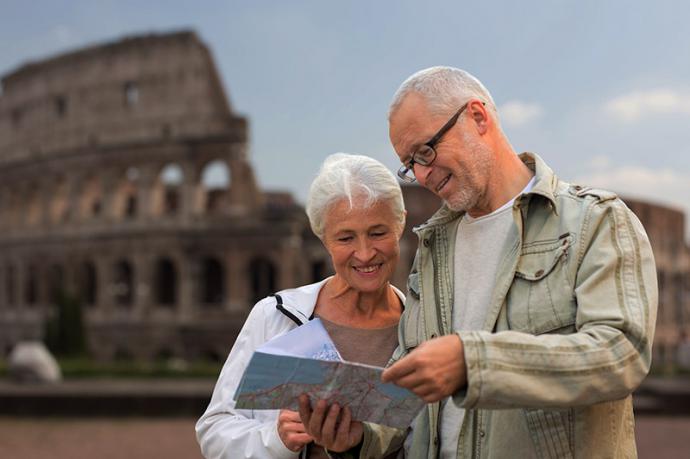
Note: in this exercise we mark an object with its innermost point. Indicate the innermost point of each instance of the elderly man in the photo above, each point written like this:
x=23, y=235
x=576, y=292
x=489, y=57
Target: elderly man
x=531, y=305
x=532, y=302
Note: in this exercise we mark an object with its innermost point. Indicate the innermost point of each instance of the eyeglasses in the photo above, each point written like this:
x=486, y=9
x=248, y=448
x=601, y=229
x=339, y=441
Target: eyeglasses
x=426, y=154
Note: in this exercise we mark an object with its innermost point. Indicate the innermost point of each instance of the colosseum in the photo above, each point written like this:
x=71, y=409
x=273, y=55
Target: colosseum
x=107, y=159
x=126, y=182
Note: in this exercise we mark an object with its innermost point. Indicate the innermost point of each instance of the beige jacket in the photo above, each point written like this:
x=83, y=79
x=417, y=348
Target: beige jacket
x=567, y=338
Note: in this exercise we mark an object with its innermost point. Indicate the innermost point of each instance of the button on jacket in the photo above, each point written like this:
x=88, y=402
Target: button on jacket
x=568, y=334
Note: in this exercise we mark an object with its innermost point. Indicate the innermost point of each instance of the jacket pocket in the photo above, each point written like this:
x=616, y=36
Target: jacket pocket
x=541, y=300
x=551, y=432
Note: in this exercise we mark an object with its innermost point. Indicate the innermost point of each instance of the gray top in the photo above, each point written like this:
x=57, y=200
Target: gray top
x=371, y=346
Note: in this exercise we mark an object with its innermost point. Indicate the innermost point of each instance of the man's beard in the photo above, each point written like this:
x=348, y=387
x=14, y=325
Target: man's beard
x=468, y=195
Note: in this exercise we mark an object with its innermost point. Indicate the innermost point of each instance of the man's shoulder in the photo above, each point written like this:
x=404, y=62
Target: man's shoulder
x=571, y=208
x=585, y=197
x=599, y=194
x=583, y=206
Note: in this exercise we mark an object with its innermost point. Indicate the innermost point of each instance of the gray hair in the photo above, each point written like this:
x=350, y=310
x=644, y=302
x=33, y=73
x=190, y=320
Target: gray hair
x=346, y=176
x=445, y=89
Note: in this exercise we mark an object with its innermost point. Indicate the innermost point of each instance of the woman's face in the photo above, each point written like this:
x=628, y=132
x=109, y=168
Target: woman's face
x=363, y=243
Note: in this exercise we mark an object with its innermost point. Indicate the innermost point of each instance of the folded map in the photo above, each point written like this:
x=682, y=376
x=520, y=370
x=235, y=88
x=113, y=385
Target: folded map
x=274, y=380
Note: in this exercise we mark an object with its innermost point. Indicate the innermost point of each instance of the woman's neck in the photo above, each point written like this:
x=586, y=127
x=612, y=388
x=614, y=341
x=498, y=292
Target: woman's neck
x=340, y=303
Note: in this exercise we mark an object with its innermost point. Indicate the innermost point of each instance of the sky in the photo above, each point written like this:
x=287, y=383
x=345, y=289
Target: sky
x=599, y=89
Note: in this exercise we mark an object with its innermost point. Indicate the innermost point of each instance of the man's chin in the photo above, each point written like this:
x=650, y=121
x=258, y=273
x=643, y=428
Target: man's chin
x=459, y=204
x=455, y=206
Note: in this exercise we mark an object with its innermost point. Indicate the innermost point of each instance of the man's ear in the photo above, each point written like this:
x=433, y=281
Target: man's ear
x=480, y=115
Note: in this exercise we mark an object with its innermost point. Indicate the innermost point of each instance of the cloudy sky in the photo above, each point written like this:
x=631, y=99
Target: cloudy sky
x=600, y=89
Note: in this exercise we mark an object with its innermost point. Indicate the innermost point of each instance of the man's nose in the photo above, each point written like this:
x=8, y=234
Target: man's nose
x=421, y=173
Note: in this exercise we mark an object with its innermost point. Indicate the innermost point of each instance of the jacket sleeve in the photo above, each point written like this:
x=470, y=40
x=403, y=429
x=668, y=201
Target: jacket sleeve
x=224, y=432
x=608, y=354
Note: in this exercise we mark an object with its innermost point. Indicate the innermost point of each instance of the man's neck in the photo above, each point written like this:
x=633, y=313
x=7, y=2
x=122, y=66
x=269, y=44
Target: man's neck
x=510, y=177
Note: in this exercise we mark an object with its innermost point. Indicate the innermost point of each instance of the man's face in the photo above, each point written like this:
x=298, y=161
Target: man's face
x=459, y=175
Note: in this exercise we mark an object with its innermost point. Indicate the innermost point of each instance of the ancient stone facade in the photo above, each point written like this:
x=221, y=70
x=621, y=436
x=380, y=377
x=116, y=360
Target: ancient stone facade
x=105, y=155
x=666, y=230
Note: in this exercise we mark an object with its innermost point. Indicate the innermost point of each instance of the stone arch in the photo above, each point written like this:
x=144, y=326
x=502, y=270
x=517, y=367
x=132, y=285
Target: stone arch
x=165, y=282
x=130, y=93
x=319, y=270
x=216, y=178
x=167, y=190
x=34, y=207
x=10, y=284
x=31, y=285
x=56, y=281
x=59, y=201
x=13, y=208
x=3, y=208
x=88, y=283
x=212, y=281
x=123, y=283
x=125, y=201
x=263, y=277
x=91, y=200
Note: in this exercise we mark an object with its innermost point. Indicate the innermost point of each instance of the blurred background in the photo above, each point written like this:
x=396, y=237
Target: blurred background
x=155, y=158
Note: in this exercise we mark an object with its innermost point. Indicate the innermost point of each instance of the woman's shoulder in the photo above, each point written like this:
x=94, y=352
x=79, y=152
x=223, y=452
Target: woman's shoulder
x=298, y=301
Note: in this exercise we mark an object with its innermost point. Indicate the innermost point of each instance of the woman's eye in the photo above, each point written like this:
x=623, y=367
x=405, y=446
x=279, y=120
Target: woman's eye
x=378, y=234
x=345, y=238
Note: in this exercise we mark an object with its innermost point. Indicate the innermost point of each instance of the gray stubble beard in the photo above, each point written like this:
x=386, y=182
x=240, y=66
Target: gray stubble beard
x=466, y=198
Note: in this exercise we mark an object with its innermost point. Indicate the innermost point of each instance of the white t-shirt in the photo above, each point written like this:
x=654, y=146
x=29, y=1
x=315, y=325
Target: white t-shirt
x=478, y=252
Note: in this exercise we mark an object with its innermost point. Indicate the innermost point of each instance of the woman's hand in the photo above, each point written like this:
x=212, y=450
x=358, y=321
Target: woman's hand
x=330, y=427
x=291, y=430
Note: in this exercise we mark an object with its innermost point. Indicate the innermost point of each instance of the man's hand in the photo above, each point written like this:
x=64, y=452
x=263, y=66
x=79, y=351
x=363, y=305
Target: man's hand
x=433, y=371
x=323, y=425
x=291, y=430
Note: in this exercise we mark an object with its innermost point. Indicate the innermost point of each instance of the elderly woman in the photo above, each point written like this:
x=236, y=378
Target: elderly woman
x=355, y=207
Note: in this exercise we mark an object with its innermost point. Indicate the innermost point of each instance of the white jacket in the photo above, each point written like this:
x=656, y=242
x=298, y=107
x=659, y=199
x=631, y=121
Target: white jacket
x=226, y=433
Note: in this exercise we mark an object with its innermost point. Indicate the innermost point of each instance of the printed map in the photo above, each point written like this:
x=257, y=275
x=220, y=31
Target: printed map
x=276, y=381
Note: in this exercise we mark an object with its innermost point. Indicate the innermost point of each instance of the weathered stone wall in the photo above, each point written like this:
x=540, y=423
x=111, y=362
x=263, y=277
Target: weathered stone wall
x=104, y=156
x=666, y=230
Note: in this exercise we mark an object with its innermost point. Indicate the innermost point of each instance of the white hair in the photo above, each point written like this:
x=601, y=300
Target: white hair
x=351, y=177
x=445, y=89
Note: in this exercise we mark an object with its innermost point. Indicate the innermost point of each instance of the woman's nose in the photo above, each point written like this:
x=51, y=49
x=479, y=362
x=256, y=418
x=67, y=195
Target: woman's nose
x=365, y=251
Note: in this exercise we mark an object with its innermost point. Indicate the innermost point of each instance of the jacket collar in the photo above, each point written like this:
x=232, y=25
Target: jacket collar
x=545, y=180
x=302, y=301
x=544, y=185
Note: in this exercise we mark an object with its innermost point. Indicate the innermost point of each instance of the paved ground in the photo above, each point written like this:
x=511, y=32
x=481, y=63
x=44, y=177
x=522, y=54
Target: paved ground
x=98, y=438
x=657, y=438
x=662, y=437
